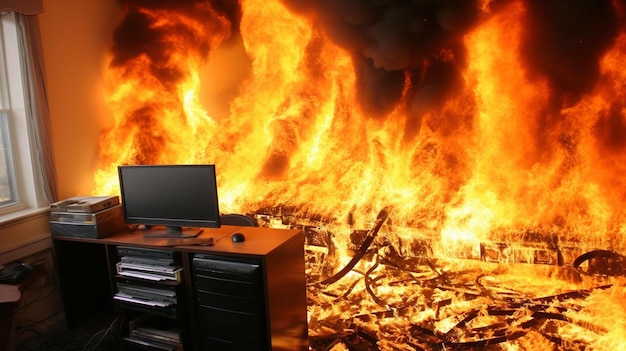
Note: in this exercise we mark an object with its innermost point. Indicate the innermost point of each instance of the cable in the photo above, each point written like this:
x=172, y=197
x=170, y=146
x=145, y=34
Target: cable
x=104, y=334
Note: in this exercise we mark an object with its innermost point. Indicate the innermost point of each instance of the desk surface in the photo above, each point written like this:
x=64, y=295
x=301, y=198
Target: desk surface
x=259, y=240
x=9, y=293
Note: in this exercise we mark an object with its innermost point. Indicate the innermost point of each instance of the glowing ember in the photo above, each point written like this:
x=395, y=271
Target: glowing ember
x=489, y=130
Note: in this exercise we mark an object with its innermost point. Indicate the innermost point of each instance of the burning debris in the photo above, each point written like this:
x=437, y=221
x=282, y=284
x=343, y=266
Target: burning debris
x=382, y=300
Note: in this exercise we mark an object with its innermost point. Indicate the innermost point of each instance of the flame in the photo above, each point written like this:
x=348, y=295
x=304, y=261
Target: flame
x=502, y=146
x=504, y=156
x=154, y=99
x=296, y=136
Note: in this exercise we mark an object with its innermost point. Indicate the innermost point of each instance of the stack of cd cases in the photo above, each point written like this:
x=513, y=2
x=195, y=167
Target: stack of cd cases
x=148, y=333
x=148, y=280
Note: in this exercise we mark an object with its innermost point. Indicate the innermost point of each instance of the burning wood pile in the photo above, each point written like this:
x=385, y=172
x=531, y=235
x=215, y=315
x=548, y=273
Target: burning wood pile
x=381, y=299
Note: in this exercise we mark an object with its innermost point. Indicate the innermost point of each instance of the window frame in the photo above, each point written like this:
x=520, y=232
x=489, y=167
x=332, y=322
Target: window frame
x=12, y=92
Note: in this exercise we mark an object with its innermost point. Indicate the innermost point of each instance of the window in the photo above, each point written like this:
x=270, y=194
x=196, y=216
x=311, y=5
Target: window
x=18, y=187
x=8, y=188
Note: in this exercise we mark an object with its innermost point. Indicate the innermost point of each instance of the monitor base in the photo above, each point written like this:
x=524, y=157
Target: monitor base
x=171, y=232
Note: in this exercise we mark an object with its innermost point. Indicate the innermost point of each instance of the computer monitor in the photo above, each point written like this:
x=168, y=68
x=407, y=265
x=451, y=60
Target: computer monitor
x=170, y=200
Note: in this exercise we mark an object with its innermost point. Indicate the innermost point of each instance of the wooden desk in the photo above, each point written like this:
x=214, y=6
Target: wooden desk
x=87, y=274
x=10, y=296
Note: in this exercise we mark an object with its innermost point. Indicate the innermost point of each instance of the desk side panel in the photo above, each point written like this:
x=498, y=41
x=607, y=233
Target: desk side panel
x=84, y=280
x=286, y=295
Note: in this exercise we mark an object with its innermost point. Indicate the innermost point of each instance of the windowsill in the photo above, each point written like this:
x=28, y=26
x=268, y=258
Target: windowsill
x=16, y=217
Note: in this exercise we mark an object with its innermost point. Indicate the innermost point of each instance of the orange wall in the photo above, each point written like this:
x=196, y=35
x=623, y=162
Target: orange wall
x=76, y=37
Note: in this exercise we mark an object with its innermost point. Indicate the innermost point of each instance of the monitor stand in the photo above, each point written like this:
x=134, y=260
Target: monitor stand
x=171, y=232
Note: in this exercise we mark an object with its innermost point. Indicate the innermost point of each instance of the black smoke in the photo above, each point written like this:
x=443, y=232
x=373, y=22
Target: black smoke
x=394, y=40
x=391, y=40
x=564, y=43
x=140, y=33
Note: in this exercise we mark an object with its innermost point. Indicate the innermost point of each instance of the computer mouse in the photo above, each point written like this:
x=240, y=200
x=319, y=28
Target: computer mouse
x=238, y=237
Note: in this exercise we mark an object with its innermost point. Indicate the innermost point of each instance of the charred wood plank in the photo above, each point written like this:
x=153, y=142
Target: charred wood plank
x=380, y=220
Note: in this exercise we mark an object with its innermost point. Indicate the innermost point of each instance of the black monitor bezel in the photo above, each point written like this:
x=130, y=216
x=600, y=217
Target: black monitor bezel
x=172, y=225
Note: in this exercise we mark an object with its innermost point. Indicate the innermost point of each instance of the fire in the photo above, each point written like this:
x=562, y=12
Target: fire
x=471, y=145
x=154, y=98
x=502, y=146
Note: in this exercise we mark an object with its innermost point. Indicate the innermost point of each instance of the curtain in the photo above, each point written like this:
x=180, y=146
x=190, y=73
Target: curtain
x=25, y=7
x=36, y=98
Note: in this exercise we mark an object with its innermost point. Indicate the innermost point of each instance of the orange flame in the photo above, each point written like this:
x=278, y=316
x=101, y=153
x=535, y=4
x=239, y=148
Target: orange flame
x=482, y=166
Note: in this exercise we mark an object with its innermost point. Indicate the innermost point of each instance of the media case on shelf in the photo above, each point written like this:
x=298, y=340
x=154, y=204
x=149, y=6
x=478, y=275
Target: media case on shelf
x=148, y=282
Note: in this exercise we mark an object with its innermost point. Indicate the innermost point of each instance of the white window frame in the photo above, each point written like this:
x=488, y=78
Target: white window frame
x=13, y=104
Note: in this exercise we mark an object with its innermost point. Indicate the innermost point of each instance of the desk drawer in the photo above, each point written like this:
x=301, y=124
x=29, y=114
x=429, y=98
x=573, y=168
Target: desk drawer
x=231, y=327
x=229, y=302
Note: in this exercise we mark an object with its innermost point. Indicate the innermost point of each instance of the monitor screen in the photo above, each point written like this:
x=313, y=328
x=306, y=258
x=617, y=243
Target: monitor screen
x=170, y=200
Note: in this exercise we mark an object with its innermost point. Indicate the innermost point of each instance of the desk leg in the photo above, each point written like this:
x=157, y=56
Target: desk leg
x=7, y=327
